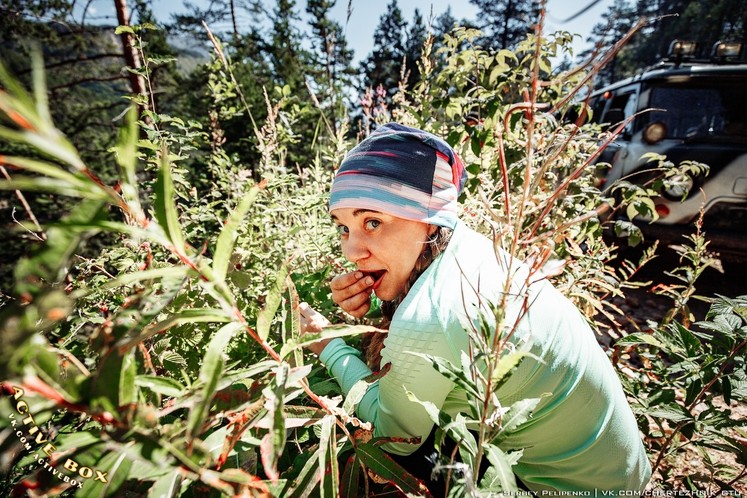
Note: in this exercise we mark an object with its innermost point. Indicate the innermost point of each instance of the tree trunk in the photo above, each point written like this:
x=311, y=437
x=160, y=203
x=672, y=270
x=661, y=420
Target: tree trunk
x=131, y=56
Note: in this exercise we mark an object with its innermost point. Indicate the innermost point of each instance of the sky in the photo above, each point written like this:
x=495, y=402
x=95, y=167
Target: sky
x=366, y=14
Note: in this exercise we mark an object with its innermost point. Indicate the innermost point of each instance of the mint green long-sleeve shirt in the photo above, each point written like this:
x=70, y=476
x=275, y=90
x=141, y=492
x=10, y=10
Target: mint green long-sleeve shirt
x=581, y=436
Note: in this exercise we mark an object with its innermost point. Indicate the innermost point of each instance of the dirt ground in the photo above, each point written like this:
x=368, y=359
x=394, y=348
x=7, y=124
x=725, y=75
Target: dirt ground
x=640, y=306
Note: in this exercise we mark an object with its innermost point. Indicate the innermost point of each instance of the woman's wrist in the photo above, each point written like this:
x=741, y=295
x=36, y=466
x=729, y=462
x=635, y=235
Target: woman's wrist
x=318, y=347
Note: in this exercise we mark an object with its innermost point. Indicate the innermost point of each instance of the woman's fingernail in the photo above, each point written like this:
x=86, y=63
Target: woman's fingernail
x=369, y=281
x=358, y=275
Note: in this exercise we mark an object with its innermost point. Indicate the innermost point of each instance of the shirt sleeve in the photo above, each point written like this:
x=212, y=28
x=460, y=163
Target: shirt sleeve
x=387, y=404
x=344, y=363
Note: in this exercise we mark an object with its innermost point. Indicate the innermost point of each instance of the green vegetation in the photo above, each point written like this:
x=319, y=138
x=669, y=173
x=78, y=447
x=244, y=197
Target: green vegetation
x=151, y=332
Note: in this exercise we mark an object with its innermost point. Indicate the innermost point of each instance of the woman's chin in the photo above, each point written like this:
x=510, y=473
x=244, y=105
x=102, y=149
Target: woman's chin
x=385, y=293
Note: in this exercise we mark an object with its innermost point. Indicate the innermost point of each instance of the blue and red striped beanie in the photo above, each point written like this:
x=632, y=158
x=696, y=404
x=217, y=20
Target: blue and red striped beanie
x=404, y=172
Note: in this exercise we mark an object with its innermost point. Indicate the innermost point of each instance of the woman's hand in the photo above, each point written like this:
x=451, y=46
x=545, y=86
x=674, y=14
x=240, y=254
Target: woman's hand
x=313, y=322
x=352, y=292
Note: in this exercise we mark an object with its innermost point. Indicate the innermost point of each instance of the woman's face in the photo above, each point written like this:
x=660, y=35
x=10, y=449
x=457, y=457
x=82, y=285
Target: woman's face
x=382, y=246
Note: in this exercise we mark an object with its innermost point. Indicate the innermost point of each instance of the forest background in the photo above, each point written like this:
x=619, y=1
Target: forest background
x=116, y=319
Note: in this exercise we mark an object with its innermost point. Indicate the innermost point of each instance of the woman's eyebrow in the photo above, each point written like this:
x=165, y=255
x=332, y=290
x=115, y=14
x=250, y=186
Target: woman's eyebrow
x=359, y=212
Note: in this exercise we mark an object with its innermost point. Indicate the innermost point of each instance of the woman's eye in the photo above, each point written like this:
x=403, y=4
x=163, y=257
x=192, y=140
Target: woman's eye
x=372, y=224
x=342, y=230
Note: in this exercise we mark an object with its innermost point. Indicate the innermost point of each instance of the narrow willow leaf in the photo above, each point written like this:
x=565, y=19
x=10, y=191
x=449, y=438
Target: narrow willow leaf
x=342, y=330
x=517, y=414
x=49, y=264
x=272, y=302
x=278, y=422
x=307, y=480
x=451, y=372
x=455, y=429
x=167, y=486
x=385, y=467
x=135, y=277
x=113, y=378
x=330, y=484
x=40, y=86
x=165, y=203
x=127, y=385
x=161, y=385
x=126, y=154
x=293, y=320
x=227, y=238
x=350, y=479
x=16, y=94
x=210, y=373
x=47, y=169
x=507, y=364
x=52, y=186
x=194, y=315
x=116, y=466
x=500, y=475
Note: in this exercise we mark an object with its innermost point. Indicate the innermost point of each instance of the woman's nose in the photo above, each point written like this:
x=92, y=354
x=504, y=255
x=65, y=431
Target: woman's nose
x=354, y=248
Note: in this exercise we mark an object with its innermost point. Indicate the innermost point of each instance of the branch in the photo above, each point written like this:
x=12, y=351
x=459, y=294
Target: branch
x=87, y=80
x=73, y=61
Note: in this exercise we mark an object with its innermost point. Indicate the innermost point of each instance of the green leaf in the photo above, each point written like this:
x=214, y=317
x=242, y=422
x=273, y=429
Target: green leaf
x=641, y=338
x=451, y=372
x=161, y=385
x=49, y=264
x=669, y=411
x=516, y=415
x=350, y=478
x=210, y=373
x=500, y=475
x=132, y=278
x=272, y=302
x=507, y=364
x=50, y=170
x=227, y=238
x=127, y=385
x=330, y=484
x=124, y=29
x=126, y=154
x=194, y=315
x=277, y=434
x=306, y=482
x=111, y=381
x=166, y=486
x=384, y=466
x=116, y=466
x=456, y=429
x=331, y=332
x=53, y=186
x=165, y=205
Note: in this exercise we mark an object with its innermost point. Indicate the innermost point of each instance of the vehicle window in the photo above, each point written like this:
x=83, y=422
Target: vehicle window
x=710, y=109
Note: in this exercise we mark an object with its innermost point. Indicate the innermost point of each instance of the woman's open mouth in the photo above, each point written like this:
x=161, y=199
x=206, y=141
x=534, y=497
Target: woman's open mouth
x=377, y=275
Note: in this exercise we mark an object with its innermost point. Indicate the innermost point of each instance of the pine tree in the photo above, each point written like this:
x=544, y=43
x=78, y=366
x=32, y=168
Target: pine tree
x=505, y=22
x=416, y=36
x=616, y=22
x=330, y=59
x=287, y=57
x=384, y=65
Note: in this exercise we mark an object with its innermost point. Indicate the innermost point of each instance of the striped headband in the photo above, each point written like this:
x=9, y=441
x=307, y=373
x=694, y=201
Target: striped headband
x=404, y=172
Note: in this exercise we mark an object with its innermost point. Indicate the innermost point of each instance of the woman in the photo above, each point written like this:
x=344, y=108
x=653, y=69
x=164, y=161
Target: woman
x=394, y=201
